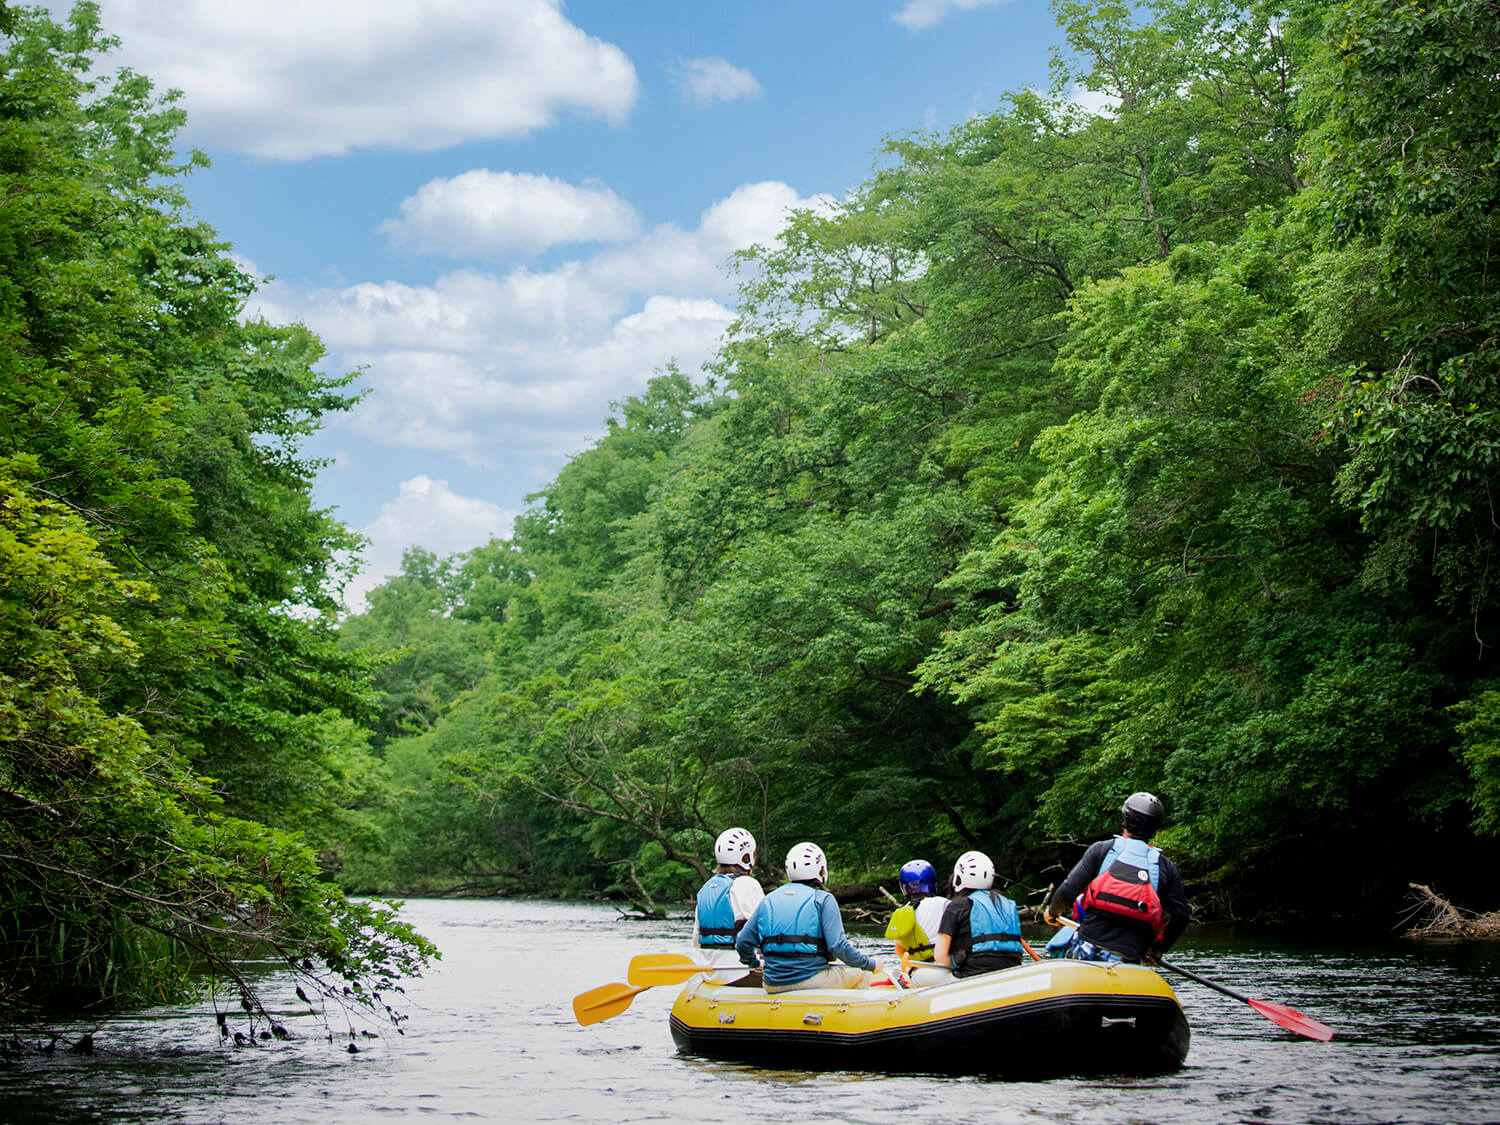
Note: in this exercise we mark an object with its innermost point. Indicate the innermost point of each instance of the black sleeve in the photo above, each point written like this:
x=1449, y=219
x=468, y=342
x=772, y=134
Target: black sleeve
x=954, y=915
x=1080, y=877
x=1174, y=899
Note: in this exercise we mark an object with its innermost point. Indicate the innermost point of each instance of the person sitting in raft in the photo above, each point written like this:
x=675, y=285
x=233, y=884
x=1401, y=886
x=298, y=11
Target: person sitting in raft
x=729, y=897
x=1129, y=896
x=915, y=923
x=798, y=928
x=981, y=930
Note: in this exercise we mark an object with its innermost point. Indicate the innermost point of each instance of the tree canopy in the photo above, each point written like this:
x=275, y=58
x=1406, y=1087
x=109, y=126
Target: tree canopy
x=1077, y=451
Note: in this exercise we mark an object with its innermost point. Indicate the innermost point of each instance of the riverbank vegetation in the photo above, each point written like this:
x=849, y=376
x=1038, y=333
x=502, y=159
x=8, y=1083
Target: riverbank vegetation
x=1140, y=434
x=167, y=589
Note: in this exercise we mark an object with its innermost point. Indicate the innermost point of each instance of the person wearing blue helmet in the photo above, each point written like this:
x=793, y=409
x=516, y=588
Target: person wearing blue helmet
x=914, y=925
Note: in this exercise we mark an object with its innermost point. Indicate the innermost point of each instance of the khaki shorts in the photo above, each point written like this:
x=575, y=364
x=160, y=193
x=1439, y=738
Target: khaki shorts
x=835, y=976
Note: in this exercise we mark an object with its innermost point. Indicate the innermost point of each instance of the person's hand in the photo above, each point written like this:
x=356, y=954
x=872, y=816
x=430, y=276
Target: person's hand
x=877, y=966
x=1049, y=917
x=1151, y=957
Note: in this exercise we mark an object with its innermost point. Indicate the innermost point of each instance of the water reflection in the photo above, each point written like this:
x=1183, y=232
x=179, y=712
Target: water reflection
x=491, y=1036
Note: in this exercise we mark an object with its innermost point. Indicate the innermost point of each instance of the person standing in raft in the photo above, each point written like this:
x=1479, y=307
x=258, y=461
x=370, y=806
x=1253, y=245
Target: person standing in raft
x=798, y=928
x=1129, y=896
x=914, y=925
x=728, y=899
x=981, y=930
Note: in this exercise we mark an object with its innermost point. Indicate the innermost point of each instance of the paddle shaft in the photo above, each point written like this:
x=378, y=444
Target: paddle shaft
x=1279, y=1014
x=1231, y=993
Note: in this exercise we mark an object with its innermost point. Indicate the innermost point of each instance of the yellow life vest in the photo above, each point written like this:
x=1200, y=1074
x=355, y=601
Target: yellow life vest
x=903, y=928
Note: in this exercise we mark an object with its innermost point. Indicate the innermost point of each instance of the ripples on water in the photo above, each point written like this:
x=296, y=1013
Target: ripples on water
x=492, y=1037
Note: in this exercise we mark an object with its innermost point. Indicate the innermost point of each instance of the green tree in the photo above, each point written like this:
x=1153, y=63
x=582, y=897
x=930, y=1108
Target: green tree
x=157, y=534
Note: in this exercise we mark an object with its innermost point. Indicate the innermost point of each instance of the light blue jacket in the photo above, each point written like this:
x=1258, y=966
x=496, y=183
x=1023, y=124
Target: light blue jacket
x=797, y=910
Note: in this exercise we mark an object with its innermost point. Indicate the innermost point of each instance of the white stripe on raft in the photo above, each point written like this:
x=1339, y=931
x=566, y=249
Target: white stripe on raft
x=998, y=990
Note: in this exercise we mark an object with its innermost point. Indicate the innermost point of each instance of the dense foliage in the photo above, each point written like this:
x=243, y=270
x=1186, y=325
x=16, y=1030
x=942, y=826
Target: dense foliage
x=1074, y=453
x=166, y=610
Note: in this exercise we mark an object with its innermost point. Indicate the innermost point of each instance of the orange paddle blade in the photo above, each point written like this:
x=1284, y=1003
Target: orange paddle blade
x=648, y=969
x=603, y=1002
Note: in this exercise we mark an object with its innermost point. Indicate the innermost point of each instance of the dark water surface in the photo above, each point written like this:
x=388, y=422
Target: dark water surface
x=492, y=1038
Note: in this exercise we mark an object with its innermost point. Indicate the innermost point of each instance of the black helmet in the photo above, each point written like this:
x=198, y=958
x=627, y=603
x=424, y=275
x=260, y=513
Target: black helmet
x=1143, y=814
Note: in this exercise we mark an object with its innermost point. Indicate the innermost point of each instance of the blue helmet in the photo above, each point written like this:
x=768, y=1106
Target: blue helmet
x=918, y=877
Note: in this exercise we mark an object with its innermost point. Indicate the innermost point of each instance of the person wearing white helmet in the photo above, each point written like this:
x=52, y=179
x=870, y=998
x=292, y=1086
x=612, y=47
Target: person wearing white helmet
x=729, y=897
x=797, y=931
x=1128, y=896
x=981, y=929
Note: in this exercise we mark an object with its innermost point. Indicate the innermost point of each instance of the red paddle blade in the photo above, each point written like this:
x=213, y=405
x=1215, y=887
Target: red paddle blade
x=1293, y=1020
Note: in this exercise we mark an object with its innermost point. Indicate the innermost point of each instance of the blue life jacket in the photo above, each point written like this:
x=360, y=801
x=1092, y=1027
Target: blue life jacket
x=1138, y=853
x=1127, y=884
x=994, y=924
x=1057, y=945
x=716, y=925
x=789, y=921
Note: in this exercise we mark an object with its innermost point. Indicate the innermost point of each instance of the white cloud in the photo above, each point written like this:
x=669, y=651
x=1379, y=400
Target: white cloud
x=428, y=513
x=491, y=367
x=688, y=261
x=706, y=80
x=482, y=213
x=918, y=15
x=291, y=79
x=1094, y=102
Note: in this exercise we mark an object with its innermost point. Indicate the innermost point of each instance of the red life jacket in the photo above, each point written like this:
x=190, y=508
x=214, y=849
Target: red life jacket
x=1126, y=884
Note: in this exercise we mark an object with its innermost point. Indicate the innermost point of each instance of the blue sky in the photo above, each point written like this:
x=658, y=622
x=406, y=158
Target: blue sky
x=512, y=212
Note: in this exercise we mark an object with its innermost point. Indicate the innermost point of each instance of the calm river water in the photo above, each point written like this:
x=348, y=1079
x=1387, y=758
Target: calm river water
x=492, y=1037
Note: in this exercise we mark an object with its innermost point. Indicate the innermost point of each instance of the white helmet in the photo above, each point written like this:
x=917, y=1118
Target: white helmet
x=806, y=861
x=735, y=846
x=973, y=872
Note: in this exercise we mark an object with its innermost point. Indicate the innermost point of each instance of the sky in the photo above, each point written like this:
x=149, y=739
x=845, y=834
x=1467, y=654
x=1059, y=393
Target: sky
x=509, y=214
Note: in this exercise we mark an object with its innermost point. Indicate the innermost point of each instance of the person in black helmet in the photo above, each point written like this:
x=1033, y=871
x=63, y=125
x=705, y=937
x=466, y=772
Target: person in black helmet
x=1130, y=896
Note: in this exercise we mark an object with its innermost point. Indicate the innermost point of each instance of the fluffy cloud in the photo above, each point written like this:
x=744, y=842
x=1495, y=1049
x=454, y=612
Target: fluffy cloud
x=920, y=14
x=484, y=213
x=495, y=366
x=706, y=80
x=1095, y=102
x=669, y=257
x=541, y=401
x=289, y=79
x=428, y=513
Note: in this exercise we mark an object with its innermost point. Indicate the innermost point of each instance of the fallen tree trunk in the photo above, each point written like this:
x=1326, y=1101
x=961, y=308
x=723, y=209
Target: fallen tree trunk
x=1442, y=921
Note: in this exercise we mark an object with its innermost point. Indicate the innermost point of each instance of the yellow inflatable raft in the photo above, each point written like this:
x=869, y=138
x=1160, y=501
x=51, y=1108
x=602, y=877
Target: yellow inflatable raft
x=1043, y=1018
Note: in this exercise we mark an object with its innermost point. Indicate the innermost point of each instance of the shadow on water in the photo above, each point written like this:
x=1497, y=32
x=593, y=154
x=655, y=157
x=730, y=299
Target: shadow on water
x=491, y=1036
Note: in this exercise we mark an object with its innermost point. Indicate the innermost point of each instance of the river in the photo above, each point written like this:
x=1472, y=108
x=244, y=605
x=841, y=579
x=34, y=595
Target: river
x=491, y=1036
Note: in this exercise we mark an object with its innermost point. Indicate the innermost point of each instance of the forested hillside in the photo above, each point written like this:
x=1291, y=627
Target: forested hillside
x=167, y=588
x=1076, y=452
